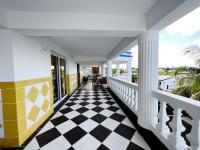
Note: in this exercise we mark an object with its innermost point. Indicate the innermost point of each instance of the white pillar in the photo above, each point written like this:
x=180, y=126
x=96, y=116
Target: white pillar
x=129, y=70
x=148, y=78
x=109, y=68
x=118, y=69
x=103, y=70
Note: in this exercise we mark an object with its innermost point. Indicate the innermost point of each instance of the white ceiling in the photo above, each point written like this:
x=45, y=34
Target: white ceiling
x=87, y=46
x=96, y=29
x=91, y=28
x=94, y=6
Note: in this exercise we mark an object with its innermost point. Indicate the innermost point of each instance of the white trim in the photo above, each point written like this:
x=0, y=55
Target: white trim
x=59, y=101
x=1, y=117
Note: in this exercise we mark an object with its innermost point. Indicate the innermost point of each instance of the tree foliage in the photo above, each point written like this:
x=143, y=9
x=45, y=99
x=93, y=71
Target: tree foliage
x=134, y=78
x=190, y=87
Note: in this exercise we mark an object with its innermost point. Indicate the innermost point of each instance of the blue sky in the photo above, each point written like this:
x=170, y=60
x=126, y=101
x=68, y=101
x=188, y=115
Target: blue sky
x=174, y=39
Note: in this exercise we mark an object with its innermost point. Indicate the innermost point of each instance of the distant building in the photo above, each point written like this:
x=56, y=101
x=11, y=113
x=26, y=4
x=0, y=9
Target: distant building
x=166, y=82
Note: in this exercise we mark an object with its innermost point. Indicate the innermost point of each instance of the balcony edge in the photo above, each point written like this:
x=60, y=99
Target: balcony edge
x=149, y=137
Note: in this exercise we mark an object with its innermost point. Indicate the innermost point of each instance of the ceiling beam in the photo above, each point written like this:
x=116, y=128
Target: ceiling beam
x=89, y=59
x=3, y=18
x=165, y=12
x=76, y=23
x=77, y=33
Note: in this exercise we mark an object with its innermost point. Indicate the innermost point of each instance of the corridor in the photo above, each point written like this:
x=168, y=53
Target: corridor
x=89, y=120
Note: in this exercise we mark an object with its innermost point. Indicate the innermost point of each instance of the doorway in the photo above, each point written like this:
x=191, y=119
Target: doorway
x=58, y=70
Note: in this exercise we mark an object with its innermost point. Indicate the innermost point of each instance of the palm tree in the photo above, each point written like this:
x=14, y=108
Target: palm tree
x=194, y=52
x=191, y=89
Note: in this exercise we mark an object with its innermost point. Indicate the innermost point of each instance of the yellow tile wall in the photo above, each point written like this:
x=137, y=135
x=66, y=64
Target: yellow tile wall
x=16, y=131
x=72, y=83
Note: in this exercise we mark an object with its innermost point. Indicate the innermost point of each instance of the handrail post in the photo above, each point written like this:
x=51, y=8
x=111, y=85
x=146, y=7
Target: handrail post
x=109, y=71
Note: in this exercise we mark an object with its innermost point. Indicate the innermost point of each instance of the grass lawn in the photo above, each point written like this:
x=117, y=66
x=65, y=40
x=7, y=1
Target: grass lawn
x=167, y=73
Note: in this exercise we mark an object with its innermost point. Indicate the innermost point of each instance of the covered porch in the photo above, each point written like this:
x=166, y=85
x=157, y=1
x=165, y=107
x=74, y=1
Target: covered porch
x=47, y=47
x=90, y=119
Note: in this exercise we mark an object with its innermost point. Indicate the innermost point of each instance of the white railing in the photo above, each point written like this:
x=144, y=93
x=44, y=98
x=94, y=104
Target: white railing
x=173, y=138
x=170, y=125
x=123, y=76
x=126, y=91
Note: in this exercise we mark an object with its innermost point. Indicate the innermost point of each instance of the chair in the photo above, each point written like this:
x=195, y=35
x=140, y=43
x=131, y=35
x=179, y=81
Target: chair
x=103, y=81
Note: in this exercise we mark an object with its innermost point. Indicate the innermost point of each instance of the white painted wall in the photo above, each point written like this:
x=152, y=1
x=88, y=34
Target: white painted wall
x=170, y=83
x=30, y=61
x=23, y=58
x=72, y=66
x=6, y=57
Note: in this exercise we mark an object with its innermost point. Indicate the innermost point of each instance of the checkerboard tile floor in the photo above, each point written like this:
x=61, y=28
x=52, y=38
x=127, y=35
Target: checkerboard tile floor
x=89, y=120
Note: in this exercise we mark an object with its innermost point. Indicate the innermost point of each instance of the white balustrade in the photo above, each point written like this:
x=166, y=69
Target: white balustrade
x=174, y=140
x=123, y=76
x=163, y=118
x=126, y=91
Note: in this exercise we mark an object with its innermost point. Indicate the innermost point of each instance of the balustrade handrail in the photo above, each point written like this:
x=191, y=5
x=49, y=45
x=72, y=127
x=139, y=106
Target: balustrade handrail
x=135, y=86
x=173, y=139
x=178, y=101
x=126, y=91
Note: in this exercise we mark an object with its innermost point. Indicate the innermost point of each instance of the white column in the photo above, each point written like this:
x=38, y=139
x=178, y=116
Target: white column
x=109, y=68
x=129, y=71
x=103, y=70
x=148, y=78
x=118, y=69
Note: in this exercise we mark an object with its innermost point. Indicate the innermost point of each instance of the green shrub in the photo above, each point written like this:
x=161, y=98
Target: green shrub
x=195, y=84
x=196, y=96
x=184, y=91
x=134, y=78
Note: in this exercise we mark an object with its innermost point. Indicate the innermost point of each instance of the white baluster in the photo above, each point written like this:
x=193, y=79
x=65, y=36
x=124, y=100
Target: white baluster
x=177, y=128
x=136, y=100
x=127, y=94
x=117, y=88
x=120, y=90
x=133, y=98
x=162, y=127
x=132, y=103
x=123, y=92
x=194, y=135
x=130, y=96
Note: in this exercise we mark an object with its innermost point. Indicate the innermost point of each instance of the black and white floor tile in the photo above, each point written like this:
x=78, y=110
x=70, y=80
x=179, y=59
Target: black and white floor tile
x=89, y=120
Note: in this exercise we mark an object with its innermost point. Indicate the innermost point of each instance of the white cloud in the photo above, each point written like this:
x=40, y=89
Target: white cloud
x=172, y=57
x=187, y=25
x=168, y=57
x=196, y=42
